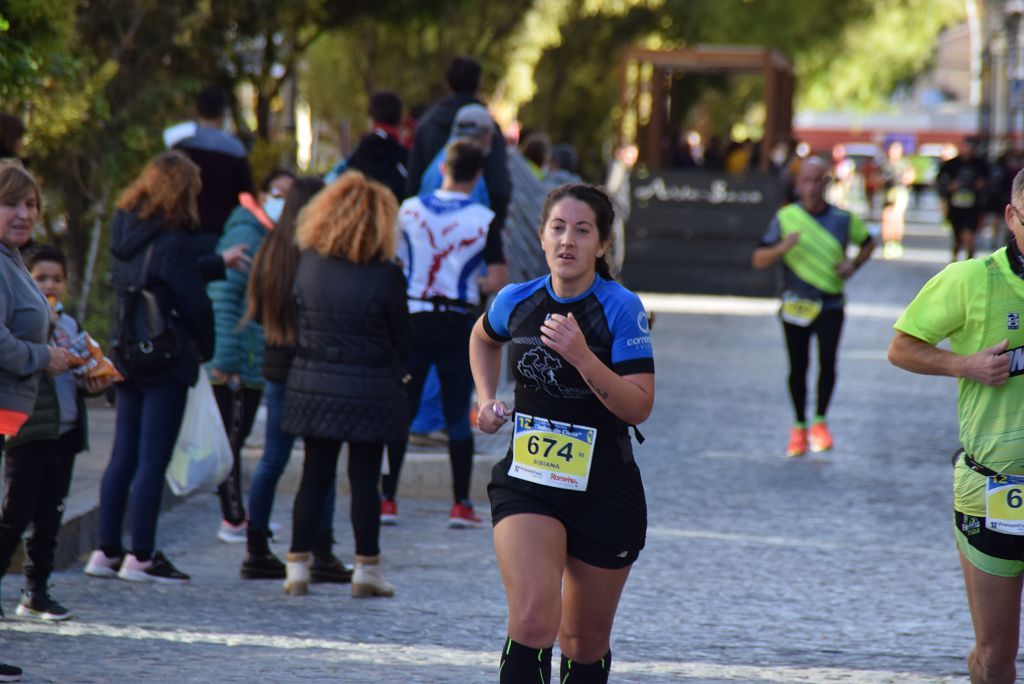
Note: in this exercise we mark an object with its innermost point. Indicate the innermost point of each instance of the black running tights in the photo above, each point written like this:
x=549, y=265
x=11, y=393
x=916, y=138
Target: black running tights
x=318, y=476
x=827, y=328
x=238, y=411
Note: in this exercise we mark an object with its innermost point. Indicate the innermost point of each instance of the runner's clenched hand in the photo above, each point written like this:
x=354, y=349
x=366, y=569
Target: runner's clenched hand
x=491, y=415
x=563, y=334
x=988, y=366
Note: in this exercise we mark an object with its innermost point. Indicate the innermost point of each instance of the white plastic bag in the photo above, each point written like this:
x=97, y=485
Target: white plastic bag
x=202, y=454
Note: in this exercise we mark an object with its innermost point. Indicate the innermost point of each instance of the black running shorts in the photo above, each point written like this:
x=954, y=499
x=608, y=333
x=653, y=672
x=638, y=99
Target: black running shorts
x=605, y=526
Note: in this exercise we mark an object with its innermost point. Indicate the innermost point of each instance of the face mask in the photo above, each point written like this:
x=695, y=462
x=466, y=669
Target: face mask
x=273, y=207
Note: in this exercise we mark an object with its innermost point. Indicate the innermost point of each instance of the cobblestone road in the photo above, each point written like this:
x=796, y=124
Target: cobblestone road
x=757, y=569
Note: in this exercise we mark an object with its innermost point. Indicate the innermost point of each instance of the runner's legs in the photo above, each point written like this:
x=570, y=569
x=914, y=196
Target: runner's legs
x=994, y=603
x=531, y=553
x=590, y=597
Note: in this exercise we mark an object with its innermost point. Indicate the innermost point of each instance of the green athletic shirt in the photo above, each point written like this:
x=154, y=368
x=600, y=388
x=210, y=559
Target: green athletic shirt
x=809, y=268
x=977, y=304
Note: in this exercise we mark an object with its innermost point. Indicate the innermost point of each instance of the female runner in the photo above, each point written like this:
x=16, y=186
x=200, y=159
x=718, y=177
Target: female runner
x=567, y=501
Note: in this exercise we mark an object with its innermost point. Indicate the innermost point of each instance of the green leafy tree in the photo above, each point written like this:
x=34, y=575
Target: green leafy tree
x=407, y=54
x=98, y=80
x=874, y=54
x=848, y=54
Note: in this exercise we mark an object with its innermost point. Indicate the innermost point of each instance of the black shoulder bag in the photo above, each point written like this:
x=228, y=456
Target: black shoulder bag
x=146, y=344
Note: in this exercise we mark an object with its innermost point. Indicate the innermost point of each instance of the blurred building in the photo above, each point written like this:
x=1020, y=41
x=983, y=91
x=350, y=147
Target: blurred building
x=999, y=64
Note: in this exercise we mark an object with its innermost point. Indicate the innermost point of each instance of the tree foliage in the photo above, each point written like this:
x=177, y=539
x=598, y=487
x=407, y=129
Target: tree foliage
x=874, y=54
x=846, y=55
x=98, y=80
x=407, y=54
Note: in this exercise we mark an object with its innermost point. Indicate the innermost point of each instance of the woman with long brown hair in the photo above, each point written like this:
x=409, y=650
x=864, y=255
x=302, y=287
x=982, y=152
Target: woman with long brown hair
x=235, y=369
x=567, y=501
x=271, y=304
x=152, y=248
x=346, y=380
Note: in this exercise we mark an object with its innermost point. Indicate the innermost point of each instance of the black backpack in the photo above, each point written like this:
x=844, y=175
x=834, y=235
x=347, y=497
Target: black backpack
x=147, y=343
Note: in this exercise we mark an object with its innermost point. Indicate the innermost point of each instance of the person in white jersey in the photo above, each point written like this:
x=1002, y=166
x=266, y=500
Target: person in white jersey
x=446, y=239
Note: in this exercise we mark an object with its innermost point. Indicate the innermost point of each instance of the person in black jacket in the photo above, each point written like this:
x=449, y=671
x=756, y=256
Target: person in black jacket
x=434, y=129
x=346, y=382
x=223, y=165
x=154, y=219
x=380, y=155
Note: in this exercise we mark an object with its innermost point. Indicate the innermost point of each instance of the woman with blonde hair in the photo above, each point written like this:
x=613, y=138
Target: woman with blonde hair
x=346, y=379
x=152, y=248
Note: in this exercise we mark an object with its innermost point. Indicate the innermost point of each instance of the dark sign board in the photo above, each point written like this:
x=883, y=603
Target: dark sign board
x=694, y=231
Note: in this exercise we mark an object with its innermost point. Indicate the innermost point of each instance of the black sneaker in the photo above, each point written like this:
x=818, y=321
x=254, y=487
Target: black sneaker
x=157, y=569
x=262, y=566
x=9, y=673
x=38, y=604
x=329, y=569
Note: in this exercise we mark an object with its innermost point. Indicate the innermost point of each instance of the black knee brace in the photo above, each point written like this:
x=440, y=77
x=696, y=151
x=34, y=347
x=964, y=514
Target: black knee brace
x=524, y=664
x=572, y=672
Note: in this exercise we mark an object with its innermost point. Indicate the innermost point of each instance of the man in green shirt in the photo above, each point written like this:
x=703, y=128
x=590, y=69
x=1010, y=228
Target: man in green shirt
x=977, y=304
x=811, y=237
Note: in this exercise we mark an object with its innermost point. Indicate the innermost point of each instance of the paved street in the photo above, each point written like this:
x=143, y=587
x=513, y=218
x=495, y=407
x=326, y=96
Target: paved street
x=757, y=569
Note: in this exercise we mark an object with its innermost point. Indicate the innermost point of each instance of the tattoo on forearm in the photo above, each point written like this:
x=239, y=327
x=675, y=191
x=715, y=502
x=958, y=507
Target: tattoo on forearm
x=597, y=390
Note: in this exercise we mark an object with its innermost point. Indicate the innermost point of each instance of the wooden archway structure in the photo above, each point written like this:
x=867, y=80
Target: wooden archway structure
x=646, y=101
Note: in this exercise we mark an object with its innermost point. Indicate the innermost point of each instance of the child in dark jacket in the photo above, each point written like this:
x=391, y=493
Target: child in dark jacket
x=40, y=458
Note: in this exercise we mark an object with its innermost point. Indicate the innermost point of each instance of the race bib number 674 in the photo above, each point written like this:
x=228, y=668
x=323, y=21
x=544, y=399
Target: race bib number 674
x=551, y=453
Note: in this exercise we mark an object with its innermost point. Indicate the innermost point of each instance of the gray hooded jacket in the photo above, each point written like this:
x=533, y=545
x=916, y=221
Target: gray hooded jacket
x=24, y=327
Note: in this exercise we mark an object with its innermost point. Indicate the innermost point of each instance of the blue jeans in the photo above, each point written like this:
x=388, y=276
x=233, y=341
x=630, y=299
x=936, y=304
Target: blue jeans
x=429, y=416
x=277, y=449
x=148, y=419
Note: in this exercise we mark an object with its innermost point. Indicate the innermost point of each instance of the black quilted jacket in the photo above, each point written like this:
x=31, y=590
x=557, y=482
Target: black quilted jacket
x=345, y=382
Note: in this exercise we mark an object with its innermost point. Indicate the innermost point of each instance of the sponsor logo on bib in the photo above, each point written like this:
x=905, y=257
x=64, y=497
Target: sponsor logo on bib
x=1013, y=321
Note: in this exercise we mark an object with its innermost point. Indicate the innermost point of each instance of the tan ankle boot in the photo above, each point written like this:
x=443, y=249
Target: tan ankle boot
x=367, y=580
x=296, y=581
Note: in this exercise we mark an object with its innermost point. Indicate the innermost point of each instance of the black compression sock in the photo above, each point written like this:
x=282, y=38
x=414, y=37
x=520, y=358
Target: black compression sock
x=572, y=672
x=524, y=664
x=460, y=452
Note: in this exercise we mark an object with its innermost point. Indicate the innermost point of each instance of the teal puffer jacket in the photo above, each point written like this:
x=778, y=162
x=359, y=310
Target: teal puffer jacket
x=237, y=350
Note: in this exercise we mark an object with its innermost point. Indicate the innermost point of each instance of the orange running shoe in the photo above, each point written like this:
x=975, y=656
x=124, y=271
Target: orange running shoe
x=821, y=438
x=797, y=442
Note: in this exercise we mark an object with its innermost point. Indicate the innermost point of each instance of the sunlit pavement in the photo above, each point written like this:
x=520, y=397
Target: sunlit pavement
x=830, y=568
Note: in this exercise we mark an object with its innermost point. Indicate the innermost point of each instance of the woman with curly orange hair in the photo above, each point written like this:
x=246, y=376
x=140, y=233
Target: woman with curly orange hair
x=152, y=247
x=346, y=379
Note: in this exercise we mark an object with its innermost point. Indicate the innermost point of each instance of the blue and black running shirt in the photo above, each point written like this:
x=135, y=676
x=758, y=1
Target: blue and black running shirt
x=613, y=322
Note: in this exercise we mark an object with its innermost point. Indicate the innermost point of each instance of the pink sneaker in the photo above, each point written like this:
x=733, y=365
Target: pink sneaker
x=102, y=565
